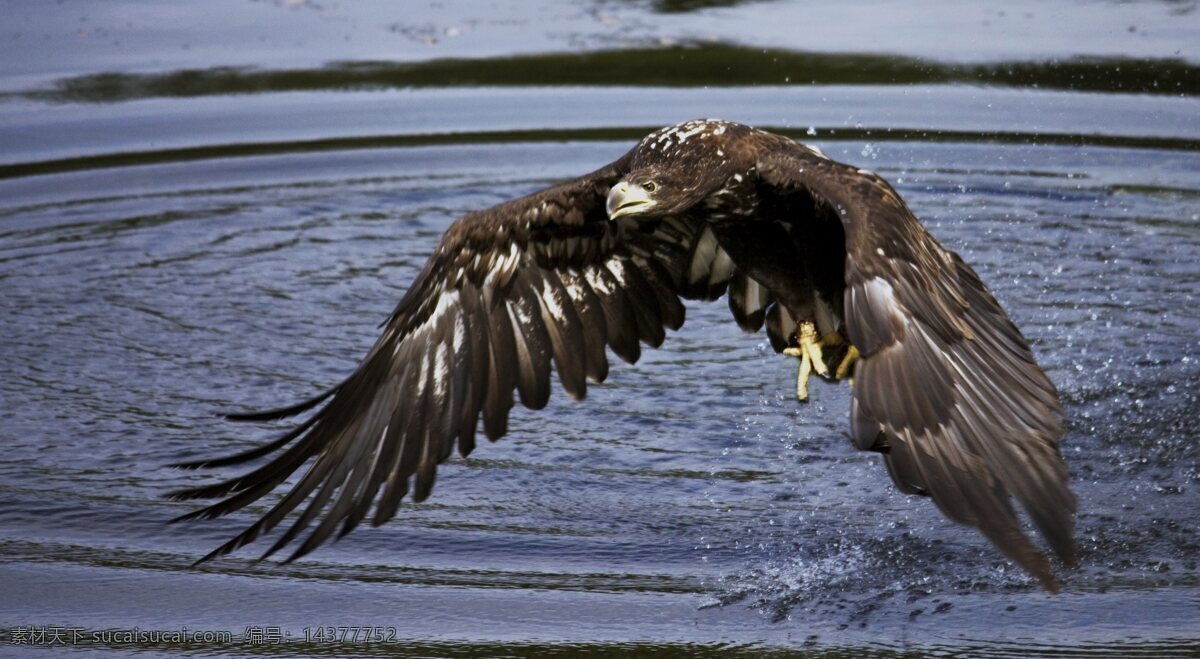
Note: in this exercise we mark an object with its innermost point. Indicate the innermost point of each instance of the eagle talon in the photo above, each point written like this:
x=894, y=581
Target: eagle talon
x=808, y=351
x=846, y=364
x=833, y=351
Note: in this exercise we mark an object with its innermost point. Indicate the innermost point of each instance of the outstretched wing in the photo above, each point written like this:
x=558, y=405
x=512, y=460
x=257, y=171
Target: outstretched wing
x=947, y=387
x=545, y=279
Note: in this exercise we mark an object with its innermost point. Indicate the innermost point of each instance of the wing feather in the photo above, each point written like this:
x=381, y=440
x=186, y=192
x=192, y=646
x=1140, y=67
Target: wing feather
x=748, y=301
x=670, y=309
x=619, y=319
x=947, y=387
x=780, y=326
x=565, y=333
x=533, y=346
x=540, y=282
x=502, y=367
x=383, y=460
x=471, y=371
x=593, y=327
x=641, y=298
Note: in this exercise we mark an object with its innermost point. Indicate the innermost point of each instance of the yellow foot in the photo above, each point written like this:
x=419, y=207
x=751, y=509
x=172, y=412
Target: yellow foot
x=843, y=367
x=809, y=353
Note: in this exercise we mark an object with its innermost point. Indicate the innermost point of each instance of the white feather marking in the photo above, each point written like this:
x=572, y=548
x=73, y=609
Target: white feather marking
x=816, y=151
x=444, y=303
x=447, y=300
x=879, y=251
x=460, y=333
x=574, y=288
x=503, y=266
x=490, y=279
x=552, y=304
x=598, y=283
x=686, y=131
x=866, y=172
x=519, y=314
x=441, y=372
x=672, y=137
x=617, y=268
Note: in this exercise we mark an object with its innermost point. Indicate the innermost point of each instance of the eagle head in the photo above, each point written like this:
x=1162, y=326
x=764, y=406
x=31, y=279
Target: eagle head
x=675, y=168
x=631, y=197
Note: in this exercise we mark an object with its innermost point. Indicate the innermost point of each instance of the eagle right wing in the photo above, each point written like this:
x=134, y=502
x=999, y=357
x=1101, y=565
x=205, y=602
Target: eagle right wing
x=947, y=388
x=544, y=280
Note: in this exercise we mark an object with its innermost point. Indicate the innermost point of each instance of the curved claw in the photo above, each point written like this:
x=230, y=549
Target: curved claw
x=810, y=351
x=809, y=354
x=843, y=367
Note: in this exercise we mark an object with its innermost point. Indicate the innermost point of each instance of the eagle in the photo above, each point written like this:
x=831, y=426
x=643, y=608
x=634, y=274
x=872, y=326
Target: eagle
x=826, y=255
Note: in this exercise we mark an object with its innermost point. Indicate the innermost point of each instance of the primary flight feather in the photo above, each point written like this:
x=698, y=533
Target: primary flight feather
x=827, y=256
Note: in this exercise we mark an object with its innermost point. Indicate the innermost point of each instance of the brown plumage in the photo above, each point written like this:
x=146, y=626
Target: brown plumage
x=946, y=387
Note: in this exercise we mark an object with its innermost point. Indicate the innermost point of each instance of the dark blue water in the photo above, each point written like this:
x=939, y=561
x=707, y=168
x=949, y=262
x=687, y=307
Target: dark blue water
x=156, y=271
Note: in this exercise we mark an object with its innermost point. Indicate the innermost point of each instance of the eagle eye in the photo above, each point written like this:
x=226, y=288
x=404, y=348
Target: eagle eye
x=649, y=186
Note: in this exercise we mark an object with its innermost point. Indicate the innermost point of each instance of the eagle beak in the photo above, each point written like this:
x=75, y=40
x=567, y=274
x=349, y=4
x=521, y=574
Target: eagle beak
x=626, y=199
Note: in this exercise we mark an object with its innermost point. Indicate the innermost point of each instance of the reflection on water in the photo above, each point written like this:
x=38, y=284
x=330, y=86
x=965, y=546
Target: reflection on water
x=697, y=65
x=41, y=43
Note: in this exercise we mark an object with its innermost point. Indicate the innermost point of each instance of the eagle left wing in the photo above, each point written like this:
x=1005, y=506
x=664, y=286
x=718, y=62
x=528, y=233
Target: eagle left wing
x=545, y=280
x=947, y=387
